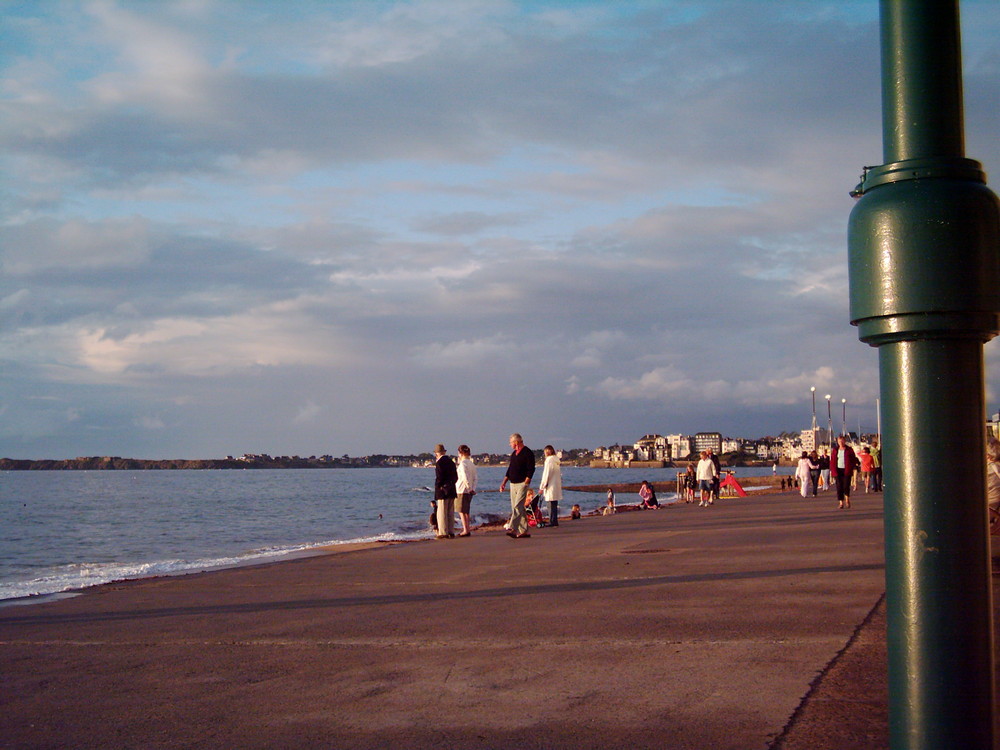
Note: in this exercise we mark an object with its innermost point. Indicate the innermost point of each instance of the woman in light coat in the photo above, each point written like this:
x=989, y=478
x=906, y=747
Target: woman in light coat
x=465, y=487
x=551, y=485
x=803, y=475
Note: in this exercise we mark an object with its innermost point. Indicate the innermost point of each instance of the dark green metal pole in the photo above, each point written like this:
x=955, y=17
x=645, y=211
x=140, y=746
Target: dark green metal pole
x=924, y=258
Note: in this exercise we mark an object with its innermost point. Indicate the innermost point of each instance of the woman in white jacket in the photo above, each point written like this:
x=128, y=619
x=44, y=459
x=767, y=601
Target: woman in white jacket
x=802, y=474
x=551, y=485
x=465, y=486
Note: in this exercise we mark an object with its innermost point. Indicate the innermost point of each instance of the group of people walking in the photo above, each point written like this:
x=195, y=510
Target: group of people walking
x=708, y=476
x=455, y=485
x=842, y=466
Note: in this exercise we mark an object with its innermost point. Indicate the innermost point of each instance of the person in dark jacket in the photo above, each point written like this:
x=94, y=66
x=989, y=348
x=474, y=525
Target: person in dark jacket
x=445, y=478
x=717, y=482
x=519, y=473
x=815, y=469
x=843, y=464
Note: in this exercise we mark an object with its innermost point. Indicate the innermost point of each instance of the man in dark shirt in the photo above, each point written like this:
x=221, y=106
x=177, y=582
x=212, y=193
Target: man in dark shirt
x=716, y=483
x=445, y=477
x=519, y=473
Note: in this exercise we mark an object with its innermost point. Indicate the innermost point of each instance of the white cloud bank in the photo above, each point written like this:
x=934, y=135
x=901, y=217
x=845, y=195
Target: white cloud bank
x=359, y=227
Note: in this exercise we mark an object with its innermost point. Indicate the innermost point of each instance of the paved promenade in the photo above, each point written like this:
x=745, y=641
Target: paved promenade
x=756, y=623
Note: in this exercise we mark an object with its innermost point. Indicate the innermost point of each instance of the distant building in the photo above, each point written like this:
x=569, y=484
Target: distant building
x=679, y=445
x=808, y=440
x=764, y=450
x=791, y=448
x=651, y=448
x=704, y=441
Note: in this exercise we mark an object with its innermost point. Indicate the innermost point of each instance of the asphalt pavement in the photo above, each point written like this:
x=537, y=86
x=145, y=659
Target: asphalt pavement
x=755, y=623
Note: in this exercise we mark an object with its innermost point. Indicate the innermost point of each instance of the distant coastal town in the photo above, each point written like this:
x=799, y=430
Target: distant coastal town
x=650, y=451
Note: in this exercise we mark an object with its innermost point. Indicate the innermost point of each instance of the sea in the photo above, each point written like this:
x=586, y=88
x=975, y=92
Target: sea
x=61, y=531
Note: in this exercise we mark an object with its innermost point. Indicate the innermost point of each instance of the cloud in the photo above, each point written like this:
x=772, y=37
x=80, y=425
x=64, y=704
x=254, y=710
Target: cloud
x=150, y=423
x=468, y=222
x=463, y=354
x=308, y=413
x=73, y=245
x=160, y=65
x=272, y=336
x=670, y=383
x=220, y=223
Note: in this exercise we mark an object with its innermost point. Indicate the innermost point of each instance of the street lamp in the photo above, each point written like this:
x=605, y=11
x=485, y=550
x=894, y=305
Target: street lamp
x=813, y=391
x=829, y=423
x=878, y=421
x=843, y=401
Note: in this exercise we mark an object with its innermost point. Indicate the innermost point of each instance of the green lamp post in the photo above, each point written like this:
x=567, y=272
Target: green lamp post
x=924, y=262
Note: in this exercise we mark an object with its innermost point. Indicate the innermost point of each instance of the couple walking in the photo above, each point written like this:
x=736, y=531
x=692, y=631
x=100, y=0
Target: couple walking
x=520, y=470
x=454, y=486
x=843, y=464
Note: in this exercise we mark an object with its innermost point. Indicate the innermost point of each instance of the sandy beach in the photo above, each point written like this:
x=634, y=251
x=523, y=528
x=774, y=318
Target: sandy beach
x=753, y=624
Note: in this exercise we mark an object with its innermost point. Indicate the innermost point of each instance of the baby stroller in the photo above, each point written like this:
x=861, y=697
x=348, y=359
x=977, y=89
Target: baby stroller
x=534, y=512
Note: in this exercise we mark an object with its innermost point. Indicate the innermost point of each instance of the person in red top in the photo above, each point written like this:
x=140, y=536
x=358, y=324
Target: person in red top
x=867, y=467
x=843, y=463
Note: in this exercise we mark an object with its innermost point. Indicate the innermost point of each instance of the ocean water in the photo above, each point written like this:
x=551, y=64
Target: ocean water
x=67, y=530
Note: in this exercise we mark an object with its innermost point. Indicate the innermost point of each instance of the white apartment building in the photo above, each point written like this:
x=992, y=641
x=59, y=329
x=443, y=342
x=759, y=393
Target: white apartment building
x=680, y=446
x=808, y=440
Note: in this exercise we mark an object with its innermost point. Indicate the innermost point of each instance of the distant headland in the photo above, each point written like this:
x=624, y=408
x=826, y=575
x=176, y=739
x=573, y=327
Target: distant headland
x=577, y=457
x=255, y=461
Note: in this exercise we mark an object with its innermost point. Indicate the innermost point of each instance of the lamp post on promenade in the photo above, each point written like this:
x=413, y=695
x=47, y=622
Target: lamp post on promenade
x=843, y=418
x=829, y=423
x=813, y=390
x=878, y=422
x=924, y=272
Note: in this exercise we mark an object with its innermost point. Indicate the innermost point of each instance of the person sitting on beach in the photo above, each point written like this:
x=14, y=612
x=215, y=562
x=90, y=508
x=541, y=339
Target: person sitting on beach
x=610, y=507
x=644, y=493
x=575, y=512
x=647, y=497
x=653, y=502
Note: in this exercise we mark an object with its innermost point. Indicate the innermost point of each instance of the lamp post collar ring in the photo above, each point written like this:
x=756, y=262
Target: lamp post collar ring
x=919, y=169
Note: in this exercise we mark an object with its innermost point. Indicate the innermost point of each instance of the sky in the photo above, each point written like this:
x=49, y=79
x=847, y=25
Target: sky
x=308, y=228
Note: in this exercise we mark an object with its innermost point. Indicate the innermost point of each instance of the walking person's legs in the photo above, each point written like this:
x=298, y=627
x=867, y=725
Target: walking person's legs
x=518, y=518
